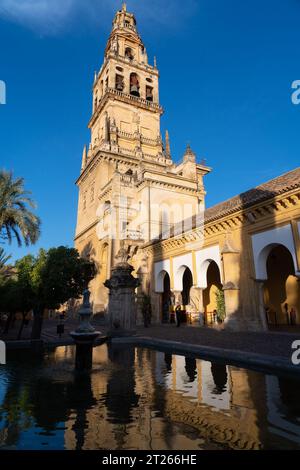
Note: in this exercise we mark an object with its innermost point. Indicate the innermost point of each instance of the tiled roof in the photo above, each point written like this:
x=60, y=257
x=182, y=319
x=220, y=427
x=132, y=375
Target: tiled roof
x=263, y=192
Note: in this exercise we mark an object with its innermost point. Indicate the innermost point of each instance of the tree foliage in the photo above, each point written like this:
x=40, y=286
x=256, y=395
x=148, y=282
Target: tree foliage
x=220, y=300
x=16, y=217
x=46, y=282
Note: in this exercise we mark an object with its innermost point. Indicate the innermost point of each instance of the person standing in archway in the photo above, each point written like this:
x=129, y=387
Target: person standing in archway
x=286, y=309
x=178, y=315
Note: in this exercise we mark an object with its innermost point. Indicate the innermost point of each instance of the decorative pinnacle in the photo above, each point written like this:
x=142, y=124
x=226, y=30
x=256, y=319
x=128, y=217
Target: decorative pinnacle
x=189, y=154
x=124, y=7
x=168, y=148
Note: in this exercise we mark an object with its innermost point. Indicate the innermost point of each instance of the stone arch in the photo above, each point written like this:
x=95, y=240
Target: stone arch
x=187, y=284
x=103, y=261
x=180, y=263
x=264, y=242
x=159, y=281
x=213, y=285
x=203, y=260
x=166, y=298
x=262, y=257
x=281, y=287
x=178, y=281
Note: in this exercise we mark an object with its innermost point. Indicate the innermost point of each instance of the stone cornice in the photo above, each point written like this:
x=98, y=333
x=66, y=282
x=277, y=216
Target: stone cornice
x=106, y=155
x=176, y=187
x=177, y=182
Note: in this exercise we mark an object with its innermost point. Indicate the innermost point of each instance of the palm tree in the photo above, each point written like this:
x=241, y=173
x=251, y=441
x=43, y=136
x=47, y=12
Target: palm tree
x=3, y=258
x=5, y=270
x=16, y=219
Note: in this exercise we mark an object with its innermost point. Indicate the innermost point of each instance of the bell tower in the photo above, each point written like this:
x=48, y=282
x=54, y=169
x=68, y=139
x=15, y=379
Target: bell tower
x=130, y=190
x=125, y=94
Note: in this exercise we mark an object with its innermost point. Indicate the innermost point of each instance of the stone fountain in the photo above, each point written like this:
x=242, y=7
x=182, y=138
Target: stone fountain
x=85, y=335
x=122, y=298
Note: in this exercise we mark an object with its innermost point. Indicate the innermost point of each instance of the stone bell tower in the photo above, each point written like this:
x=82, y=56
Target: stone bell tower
x=129, y=187
x=126, y=110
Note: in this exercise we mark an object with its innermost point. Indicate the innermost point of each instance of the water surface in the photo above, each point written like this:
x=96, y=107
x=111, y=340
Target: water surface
x=143, y=399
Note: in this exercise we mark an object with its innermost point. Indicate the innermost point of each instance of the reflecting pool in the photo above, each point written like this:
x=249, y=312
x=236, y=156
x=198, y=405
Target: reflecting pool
x=138, y=398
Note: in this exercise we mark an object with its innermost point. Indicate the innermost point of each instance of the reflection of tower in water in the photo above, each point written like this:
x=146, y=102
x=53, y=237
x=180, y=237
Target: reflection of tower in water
x=121, y=384
x=120, y=397
x=81, y=400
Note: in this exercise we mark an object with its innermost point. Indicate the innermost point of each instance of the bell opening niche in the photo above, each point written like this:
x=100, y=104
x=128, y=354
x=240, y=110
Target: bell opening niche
x=119, y=82
x=134, y=85
x=149, y=93
x=129, y=53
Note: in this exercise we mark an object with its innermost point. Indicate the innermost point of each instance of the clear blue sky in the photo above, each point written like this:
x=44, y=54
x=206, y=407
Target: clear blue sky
x=226, y=72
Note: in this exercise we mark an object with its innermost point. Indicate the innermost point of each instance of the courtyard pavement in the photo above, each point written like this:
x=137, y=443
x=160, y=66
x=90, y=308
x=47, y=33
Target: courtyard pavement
x=273, y=343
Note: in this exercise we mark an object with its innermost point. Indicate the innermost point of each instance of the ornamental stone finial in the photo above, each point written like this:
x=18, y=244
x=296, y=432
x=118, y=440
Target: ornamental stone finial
x=168, y=148
x=189, y=155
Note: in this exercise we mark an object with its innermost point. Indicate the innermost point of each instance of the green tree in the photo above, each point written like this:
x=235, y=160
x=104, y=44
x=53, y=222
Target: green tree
x=16, y=293
x=57, y=276
x=4, y=269
x=16, y=217
x=45, y=282
x=221, y=309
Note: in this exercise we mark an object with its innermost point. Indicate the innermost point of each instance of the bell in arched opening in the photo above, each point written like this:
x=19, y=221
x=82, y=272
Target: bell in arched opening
x=129, y=53
x=149, y=93
x=134, y=85
x=119, y=82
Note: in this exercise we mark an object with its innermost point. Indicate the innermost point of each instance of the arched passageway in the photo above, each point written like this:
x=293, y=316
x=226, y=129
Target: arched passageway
x=281, y=289
x=166, y=299
x=187, y=284
x=213, y=289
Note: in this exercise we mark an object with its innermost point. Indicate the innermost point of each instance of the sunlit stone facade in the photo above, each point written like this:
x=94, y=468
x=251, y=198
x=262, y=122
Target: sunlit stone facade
x=245, y=251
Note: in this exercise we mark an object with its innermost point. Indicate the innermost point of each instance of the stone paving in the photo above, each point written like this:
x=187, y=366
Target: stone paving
x=270, y=343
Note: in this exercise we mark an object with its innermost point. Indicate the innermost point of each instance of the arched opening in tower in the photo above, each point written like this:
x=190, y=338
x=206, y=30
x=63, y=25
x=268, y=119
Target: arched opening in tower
x=134, y=85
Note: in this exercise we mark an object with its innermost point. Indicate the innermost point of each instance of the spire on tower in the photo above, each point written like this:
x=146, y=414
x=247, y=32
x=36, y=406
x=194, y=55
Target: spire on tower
x=168, y=148
x=124, y=6
x=84, y=158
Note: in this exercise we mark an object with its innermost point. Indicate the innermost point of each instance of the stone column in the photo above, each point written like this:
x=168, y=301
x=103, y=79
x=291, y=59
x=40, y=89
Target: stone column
x=261, y=304
x=231, y=287
x=178, y=297
x=231, y=296
x=197, y=302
